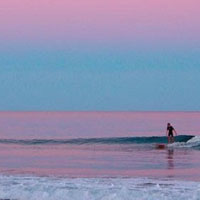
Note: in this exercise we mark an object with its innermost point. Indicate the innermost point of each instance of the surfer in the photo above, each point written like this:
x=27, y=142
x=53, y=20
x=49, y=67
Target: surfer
x=169, y=132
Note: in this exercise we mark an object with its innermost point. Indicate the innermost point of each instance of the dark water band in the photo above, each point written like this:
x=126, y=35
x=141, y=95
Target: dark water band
x=115, y=140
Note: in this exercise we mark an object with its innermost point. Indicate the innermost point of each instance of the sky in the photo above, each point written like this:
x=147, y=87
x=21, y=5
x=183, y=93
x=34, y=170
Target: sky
x=97, y=55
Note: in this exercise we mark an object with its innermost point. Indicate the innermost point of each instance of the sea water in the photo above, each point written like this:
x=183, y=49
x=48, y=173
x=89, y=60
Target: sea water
x=98, y=155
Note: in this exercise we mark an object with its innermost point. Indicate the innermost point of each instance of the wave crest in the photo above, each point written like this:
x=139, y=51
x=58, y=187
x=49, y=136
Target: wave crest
x=80, y=141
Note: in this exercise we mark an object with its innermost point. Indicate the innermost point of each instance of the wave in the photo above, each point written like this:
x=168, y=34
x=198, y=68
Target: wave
x=47, y=188
x=115, y=140
x=193, y=142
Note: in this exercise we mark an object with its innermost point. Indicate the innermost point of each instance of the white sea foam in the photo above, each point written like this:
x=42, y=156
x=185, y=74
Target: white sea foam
x=192, y=143
x=44, y=188
x=195, y=141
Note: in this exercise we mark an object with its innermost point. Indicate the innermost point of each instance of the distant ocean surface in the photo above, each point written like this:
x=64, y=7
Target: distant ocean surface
x=98, y=155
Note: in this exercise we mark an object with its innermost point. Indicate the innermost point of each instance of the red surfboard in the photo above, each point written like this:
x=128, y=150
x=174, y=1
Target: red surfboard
x=160, y=146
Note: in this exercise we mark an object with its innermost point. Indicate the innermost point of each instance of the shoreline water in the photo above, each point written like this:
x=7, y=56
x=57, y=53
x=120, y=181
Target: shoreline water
x=32, y=188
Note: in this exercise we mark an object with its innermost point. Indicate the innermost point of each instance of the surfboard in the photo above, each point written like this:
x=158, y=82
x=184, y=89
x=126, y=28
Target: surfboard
x=160, y=146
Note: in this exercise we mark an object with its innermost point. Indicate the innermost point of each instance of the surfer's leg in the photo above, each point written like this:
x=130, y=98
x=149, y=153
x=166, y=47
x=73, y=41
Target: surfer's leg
x=169, y=139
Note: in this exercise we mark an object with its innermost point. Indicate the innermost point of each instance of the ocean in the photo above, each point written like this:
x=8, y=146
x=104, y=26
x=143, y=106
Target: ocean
x=99, y=156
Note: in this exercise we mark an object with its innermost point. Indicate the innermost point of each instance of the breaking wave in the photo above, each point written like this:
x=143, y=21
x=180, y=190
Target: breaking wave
x=47, y=188
x=194, y=142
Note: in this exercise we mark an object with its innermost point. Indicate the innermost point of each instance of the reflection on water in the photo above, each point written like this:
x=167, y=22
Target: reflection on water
x=170, y=159
x=99, y=161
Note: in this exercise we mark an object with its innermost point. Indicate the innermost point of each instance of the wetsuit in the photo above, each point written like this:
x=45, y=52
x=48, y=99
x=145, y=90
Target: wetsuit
x=170, y=129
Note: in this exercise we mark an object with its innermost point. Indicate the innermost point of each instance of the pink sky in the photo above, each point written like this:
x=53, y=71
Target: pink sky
x=97, y=19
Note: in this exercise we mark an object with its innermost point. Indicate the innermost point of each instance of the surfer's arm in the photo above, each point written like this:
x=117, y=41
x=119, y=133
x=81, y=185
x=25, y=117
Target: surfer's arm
x=175, y=132
x=167, y=132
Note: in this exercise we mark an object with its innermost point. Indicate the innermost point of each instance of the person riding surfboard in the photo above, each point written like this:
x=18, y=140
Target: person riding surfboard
x=170, y=133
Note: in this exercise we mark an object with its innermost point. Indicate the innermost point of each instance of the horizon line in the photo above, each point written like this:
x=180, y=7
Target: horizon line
x=99, y=111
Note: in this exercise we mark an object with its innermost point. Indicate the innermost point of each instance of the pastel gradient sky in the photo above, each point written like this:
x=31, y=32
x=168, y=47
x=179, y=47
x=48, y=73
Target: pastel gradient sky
x=100, y=55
